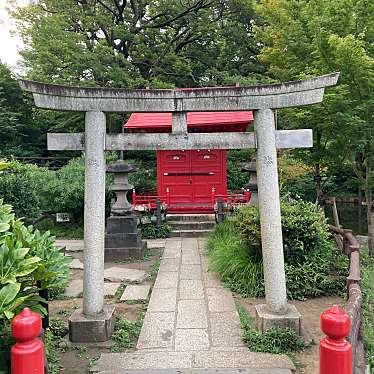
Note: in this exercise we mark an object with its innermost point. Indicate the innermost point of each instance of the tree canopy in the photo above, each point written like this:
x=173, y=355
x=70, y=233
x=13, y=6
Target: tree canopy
x=140, y=43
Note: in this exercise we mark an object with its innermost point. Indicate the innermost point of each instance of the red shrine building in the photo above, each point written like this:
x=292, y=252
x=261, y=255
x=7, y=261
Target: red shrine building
x=188, y=177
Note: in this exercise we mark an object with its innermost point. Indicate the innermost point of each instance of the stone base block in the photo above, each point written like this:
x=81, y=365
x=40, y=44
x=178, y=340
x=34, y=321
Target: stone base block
x=266, y=319
x=90, y=329
x=124, y=253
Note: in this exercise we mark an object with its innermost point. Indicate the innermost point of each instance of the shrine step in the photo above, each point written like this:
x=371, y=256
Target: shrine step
x=191, y=217
x=191, y=225
x=190, y=233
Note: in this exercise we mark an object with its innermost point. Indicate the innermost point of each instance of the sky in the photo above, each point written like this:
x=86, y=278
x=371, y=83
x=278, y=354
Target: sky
x=9, y=44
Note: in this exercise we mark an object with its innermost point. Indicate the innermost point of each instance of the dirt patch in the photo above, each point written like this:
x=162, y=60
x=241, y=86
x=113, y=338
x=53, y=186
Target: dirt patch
x=310, y=310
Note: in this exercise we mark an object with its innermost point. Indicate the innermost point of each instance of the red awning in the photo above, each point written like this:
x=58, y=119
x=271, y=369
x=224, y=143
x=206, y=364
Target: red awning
x=195, y=120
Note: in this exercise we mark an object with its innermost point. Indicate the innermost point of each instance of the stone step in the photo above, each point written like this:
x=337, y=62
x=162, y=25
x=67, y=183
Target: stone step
x=191, y=225
x=207, y=362
x=190, y=233
x=191, y=217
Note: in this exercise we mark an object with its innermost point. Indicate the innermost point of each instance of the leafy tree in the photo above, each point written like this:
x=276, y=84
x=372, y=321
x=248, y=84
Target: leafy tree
x=139, y=43
x=304, y=38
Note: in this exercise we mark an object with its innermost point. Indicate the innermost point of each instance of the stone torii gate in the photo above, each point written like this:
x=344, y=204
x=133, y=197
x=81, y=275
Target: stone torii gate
x=95, y=320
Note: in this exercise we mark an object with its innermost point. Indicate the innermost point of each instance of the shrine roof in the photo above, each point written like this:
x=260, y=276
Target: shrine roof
x=195, y=120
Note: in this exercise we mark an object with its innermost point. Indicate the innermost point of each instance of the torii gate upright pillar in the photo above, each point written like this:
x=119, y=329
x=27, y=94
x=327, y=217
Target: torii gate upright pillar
x=276, y=311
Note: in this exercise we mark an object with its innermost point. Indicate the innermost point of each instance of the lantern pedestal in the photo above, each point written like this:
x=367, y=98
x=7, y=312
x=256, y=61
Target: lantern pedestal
x=122, y=238
x=267, y=319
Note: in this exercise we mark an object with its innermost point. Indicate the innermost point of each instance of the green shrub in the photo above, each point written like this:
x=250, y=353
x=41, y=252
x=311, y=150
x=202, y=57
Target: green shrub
x=28, y=258
x=275, y=340
x=149, y=231
x=20, y=187
x=313, y=265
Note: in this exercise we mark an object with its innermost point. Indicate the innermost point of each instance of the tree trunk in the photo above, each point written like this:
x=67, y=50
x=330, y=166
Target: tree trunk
x=317, y=171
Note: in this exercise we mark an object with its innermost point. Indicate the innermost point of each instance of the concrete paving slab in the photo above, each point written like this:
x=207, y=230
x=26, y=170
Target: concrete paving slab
x=166, y=279
x=157, y=332
x=156, y=243
x=163, y=300
x=197, y=371
x=174, y=243
x=189, y=243
x=76, y=264
x=117, y=274
x=169, y=264
x=190, y=272
x=144, y=360
x=220, y=300
x=191, y=340
x=191, y=258
x=192, y=314
x=75, y=288
x=172, y=253
x=191, y=289
x=110, y=289
x=225, y=330
x=71, y=245
x=135, y=292
x=234, y=360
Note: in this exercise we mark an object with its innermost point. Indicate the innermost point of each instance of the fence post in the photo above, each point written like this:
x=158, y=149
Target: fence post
x=158, y=214
x=133, y=197
x=213, y=196
x=220, y=212
x=27, y=355
x=335, y=351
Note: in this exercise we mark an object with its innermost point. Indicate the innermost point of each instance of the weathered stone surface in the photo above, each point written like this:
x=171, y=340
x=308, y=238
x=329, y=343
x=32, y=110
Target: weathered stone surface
x=169, y=264
x=225, y=330
x=144, y=360
x=241, y=359
x=173, y=244
x=75, y=288
x=117, y=274
x=172, y=252
x=265, y=319
x=191, y=258
x=163, y=300
x=192, y=314
x=166, y=279
x=76, y=264
x=190, y=272
x=220, y=300
x=135, y=292
x=191, y=340
x=110, y=289
x=198, y=371
x=98, y=328
x=70, y=245
x=94, y=213
x=191, y=289
x=275, y=96
x=156, y=243
x=157, y=332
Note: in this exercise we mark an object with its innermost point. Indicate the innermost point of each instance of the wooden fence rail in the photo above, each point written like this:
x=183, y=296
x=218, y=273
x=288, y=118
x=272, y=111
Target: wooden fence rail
x=349, y=245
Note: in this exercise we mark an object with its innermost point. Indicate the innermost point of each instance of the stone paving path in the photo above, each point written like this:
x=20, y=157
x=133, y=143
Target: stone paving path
x=191, y=324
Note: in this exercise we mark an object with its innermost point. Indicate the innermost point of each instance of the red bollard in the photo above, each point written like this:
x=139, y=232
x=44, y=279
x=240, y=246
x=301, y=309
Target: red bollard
x=335, y=351
x=27, y=355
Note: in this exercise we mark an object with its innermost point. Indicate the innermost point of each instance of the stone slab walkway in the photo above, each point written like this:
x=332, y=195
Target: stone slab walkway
x=191, y=323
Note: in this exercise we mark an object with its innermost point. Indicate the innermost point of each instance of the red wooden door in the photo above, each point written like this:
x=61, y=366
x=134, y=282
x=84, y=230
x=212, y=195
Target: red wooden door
x=190, y=176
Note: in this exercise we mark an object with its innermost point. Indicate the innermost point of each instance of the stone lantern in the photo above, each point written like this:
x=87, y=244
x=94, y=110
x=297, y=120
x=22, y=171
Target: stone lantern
x=252, y=183
x=122, y=238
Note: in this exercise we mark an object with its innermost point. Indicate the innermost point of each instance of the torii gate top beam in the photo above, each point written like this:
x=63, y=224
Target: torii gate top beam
x=272, y=96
